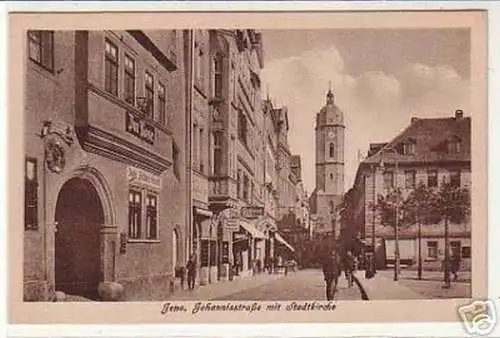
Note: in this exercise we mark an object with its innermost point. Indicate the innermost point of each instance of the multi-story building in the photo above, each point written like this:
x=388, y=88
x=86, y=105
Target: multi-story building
x=428, y=151
x=198, y=89
x=236, y=177
x=105, y=163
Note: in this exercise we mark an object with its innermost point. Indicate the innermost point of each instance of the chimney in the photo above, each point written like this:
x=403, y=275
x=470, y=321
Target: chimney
x=413, y=119
x=459, y=114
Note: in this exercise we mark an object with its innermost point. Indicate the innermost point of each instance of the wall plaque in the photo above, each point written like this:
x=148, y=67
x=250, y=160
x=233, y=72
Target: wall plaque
x=140, y=128
x=136, y=175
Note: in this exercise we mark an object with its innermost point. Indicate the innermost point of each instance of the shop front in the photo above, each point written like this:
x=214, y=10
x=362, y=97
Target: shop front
x=249, y=249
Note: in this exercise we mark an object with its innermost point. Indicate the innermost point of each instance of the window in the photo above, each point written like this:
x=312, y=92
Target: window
x=151, y=216
x=332, y=150
x=388, y=179
x=409, y=148
x=111, y=69
x=142, y=209
x=217, y=153
x=30, y=195
x=175, y=159
x=432, y=178
x=199, y=66
x=245, y=188
x=196, y=153
x=149, y=91
x=454, y=146
x=242, y=128
x=134, y=213
x=455, y=178
x=41, y=48
x=432, y=250
x=410, y=179
x=161, y=104
x=233, y=73
x=466, y=253
x=200, y=148
x=129, y=81
x=218, y=84
x=455, y=248
x=238, y=183
x=331, y=176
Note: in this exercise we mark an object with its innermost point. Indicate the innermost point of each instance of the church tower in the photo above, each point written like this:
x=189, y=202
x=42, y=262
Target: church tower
x=329, y=165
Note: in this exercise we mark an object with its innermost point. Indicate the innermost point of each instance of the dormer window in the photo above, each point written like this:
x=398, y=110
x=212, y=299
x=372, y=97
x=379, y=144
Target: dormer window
x=454, y=145
x=408, y=147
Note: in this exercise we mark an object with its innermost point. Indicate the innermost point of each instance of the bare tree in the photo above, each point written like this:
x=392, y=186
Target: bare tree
x=451, y=203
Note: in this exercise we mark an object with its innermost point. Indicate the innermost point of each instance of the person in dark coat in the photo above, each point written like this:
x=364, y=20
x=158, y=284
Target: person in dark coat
x=331, y=272
x=191, y=271
x=455, y=265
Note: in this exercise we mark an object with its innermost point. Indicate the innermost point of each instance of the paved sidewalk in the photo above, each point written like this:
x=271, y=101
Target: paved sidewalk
x=383, y=287
x=224, y=288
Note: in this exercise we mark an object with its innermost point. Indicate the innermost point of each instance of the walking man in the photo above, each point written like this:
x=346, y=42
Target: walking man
x=350, y=268
x=455, y=265
x=191, y=271
x=331, y=272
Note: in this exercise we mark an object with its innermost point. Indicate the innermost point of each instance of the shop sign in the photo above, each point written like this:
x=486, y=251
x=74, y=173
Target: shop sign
x=232, y=224
x=136, y=175
x=139, y=128
x=252, y=212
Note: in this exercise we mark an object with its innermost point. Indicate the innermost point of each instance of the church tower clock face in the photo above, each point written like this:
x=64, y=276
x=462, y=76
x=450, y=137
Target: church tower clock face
x=331, y=134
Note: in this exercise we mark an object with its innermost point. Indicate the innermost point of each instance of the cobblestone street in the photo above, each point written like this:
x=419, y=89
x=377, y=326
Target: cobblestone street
x=300, y=285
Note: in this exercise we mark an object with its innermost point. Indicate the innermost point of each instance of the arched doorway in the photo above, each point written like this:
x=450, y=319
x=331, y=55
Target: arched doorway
x=79, y=216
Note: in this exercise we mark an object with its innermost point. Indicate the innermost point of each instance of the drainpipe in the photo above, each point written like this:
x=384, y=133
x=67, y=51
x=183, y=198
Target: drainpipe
x=189, y=108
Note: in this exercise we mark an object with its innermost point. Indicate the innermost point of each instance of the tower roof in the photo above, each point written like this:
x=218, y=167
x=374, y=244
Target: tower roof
x=330, y=113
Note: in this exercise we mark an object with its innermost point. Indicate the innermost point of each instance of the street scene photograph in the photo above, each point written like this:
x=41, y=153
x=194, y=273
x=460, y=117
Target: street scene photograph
x=247, y=165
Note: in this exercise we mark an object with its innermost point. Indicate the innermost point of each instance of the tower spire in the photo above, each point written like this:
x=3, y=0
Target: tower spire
x=329, y=95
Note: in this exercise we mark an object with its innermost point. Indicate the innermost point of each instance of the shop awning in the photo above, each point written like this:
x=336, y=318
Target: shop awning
x=282, y=241
x=254, y=232
x=203, y=212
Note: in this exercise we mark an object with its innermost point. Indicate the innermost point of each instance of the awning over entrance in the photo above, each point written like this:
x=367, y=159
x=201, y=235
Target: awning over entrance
x=282, y=241
x=203, y=212
x=252, y=230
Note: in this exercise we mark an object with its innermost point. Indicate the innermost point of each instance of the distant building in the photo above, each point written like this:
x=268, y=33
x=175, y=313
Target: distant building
x=327, y=197
x=429, y=150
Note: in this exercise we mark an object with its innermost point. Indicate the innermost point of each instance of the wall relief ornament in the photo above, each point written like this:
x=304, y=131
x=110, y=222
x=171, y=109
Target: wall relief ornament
x=54, y=156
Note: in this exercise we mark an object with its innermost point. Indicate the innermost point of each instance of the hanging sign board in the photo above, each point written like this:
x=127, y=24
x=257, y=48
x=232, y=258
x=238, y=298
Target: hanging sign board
x=252, y=212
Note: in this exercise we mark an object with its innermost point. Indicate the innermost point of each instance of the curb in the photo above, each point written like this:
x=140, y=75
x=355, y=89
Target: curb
x=364, y=295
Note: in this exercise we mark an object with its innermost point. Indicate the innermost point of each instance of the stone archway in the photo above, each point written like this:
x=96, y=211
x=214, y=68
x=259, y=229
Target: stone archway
x=79, y=216
x=86, y=234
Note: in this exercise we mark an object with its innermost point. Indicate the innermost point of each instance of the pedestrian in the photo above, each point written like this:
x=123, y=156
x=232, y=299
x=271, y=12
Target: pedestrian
x=331, y=272
x=191, y=271
x=349, y=267
x=455, y=265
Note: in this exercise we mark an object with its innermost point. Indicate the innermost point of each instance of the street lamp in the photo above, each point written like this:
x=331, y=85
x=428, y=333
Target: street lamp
x=373, y=262
x=396, y=225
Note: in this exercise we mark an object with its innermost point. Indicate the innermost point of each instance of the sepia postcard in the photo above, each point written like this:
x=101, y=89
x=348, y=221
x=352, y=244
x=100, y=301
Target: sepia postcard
x=286, y=167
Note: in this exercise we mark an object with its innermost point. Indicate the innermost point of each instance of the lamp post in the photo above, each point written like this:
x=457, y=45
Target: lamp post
x=396, y=222
x=374, y=264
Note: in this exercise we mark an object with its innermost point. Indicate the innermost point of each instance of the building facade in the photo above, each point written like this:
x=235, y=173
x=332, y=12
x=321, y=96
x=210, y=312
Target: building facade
x=429, y=151
x=105, y=162
x=328, y=194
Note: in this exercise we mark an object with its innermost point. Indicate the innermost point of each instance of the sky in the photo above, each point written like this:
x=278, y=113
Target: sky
x=381, y=78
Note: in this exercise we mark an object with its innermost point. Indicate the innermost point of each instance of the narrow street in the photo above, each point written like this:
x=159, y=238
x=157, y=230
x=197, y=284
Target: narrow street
x=300, y=285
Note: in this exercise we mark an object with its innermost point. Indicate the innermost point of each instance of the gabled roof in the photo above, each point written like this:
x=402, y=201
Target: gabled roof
x=430, y=137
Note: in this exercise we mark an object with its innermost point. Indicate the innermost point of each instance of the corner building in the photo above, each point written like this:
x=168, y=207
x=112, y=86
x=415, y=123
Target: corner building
x=105, y=163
